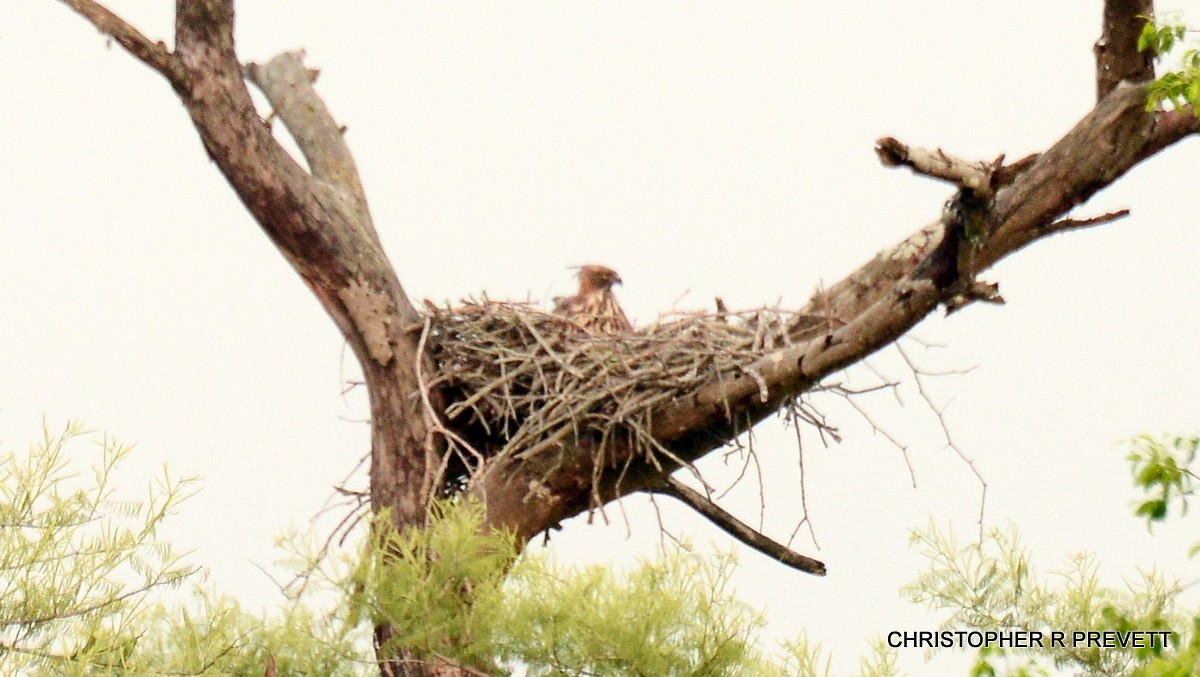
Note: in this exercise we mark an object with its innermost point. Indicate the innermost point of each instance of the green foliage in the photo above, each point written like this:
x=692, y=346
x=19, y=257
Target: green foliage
x=450, y=590
x=672, y=617
x=439, y=588
x=76, y=563
x=1181, y=85
x=78, y=569
x=807, y=658
x=78, y=566
x=1160, y=39
x=1161, y=468
x=991, y=585
x=214, y=636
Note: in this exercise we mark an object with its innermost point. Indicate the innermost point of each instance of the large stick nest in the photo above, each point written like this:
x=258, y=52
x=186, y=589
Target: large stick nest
x=521, y=380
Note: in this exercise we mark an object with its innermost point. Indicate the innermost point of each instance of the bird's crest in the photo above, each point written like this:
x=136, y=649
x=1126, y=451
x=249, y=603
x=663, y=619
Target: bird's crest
x=595, y=306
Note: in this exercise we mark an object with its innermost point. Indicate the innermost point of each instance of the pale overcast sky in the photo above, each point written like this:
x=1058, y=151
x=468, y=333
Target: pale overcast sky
x=701, y=149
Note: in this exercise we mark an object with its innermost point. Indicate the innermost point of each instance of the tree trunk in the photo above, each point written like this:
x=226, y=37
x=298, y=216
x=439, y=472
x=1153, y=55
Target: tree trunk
x=319, y=219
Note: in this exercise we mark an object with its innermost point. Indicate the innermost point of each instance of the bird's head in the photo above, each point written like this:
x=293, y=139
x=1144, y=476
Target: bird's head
x=596, y=277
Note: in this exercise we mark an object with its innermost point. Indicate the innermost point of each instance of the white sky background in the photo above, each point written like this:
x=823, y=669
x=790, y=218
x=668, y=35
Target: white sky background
x=707, y=148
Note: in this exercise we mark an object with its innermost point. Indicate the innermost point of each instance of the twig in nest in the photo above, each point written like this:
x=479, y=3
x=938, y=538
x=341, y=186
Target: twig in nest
x=520, y=382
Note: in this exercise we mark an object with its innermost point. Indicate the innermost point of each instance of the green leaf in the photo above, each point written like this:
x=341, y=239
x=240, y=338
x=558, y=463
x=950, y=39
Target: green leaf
x=1156, y=510
x=1146, y=37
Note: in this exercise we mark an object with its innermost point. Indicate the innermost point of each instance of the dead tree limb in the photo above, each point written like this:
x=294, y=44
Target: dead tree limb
x=319, y=222
x=937, y=164
x=737, y=528
x=875, y=305
x=153, y=54
x=318, y=218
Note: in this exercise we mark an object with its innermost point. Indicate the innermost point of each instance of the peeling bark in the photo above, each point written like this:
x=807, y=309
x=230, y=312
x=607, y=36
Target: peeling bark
x=319, y=219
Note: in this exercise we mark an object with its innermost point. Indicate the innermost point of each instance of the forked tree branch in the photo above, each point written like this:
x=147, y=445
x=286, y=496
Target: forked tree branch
x=320, y=222
x=737, y=528
x=287, y=84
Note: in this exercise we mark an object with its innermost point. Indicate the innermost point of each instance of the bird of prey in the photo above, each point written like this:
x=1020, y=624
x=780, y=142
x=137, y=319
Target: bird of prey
x=595, y=307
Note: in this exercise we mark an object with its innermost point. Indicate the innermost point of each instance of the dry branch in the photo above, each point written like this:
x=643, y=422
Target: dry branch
x=322, y=227
x=562, y=426
x=937, y=164
x=153, y=54
x=332, y=244
x=738, y=529
x=287, y=84
x=1076, y=224
x=521, y=383
x=866, y=311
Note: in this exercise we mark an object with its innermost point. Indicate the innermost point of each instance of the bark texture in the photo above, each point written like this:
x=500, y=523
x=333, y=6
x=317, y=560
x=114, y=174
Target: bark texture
x=1117, y=56
x=318, y=218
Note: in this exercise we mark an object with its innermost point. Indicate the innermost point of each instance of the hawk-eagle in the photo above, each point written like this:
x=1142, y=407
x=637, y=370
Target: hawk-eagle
x=595, y=307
